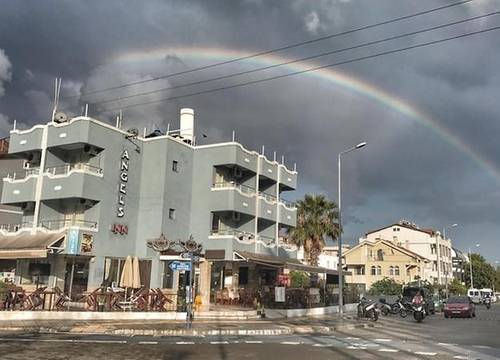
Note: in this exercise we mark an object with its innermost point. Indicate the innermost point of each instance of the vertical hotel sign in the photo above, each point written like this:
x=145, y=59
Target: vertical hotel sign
x=122, y=190
x=73, y=242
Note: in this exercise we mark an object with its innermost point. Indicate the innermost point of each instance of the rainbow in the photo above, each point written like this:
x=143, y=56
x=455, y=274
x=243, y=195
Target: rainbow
x=350, y=83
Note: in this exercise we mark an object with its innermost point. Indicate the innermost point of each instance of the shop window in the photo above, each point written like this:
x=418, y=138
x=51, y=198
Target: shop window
x=38, y=273
x=168, y=276
x=112, y=271
x=243, y=276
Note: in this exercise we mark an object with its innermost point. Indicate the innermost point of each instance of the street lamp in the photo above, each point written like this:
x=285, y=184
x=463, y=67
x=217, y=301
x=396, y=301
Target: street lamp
x=439, y=264
x=340, y=267
x=470, y=266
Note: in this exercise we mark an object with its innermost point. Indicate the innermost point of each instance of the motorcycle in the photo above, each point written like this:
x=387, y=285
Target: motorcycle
x=405, y=308
x=367, y=309
x=385, y=309
x=487, y=302
x=418, y=312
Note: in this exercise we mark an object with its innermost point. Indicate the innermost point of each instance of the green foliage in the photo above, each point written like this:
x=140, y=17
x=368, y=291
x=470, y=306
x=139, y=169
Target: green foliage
x=385, y=286
x=497, y=279
x=317, y=219
x=457, y=288
x=299, y=279
x=483, y=273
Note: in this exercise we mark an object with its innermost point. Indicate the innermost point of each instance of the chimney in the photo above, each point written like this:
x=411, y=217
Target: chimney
x=187, y=124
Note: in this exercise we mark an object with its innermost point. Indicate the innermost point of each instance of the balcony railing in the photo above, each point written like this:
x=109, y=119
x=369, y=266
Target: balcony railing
x=15, y=227
x=234, y=185
x=22, y=174
x=67, y=168
x=251, y=191
x=242, y=235
x=60, y=224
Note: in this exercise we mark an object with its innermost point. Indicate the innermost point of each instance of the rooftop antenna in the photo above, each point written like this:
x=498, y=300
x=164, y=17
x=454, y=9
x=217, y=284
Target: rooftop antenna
x=282, y=159
x=295, y=167
x=263, y=148
x=234, y=135
x=15, y=124
x=274, y=155
x=168, y=128
x=87, y=110
x=57, y=92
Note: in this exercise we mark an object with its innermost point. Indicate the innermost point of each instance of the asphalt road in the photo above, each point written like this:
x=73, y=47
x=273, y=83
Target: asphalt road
x=392, y=338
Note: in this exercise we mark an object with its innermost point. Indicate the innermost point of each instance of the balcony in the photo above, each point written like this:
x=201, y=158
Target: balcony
x=73, y=181
x=13, y=228
x=20, y=176
x=26, y=140
x=19, y=187
x=66, y=223
x=231, y=185
x=67, y=169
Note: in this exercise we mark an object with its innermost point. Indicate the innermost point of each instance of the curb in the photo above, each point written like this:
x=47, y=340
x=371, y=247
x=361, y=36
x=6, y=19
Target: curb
x=193, y=332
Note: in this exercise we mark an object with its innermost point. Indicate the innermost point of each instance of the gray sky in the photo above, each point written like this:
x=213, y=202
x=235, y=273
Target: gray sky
x=409, y=169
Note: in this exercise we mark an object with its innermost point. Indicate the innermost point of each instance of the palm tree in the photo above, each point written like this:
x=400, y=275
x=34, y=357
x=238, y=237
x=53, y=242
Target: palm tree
x=317, y=218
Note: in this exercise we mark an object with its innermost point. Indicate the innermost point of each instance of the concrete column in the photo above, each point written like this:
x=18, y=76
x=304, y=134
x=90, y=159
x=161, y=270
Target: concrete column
x=96, y=272
x=157, y=272
x=204, y=289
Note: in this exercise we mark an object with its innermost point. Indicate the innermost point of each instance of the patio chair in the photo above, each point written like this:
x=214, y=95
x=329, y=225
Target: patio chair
x=91, y=300
x=226, y=300
x=159, y=300
x=61, y=299
x=140, y=300
x=34, y=300
x=218, y=297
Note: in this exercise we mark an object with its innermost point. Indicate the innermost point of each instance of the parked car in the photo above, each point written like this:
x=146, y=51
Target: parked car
x=460, y=306
x=410, y=291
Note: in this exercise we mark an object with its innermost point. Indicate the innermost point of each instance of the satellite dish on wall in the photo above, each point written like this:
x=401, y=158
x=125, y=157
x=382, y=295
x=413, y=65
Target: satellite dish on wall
x=133, y=132
x=60, y=117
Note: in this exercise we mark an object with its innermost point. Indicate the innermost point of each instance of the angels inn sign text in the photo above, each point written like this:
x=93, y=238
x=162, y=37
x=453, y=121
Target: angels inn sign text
x=122, y=189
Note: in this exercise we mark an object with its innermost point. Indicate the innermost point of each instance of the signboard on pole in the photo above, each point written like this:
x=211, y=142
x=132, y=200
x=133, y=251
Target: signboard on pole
x=180, y=266
x=73, y=242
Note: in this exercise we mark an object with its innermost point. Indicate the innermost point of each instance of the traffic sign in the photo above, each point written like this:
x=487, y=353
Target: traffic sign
x=180, y=266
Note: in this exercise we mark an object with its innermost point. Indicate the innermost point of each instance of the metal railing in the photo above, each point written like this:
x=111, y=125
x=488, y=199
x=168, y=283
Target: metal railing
x=232, y=232
x=15, y=227
x=65, y=169
x=268, y=197
x=288, y=204
x=23, y=174
x=234, y=185
x=60, y=224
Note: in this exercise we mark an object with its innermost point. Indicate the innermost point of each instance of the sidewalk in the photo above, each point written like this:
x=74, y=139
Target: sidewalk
x=310, y=325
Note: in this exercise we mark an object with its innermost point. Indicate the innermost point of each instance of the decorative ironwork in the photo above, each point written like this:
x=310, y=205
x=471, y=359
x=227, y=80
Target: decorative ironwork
x=163, y=244
x=160, y=244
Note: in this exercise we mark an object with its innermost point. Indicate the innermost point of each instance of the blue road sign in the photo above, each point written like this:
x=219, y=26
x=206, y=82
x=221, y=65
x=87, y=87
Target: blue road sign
x=180, y=266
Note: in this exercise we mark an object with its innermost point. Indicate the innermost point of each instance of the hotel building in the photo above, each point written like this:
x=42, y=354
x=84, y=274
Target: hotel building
x=92, y=194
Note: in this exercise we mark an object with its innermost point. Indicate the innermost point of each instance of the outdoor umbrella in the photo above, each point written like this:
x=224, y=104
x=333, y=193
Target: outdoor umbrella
x=127, y=277
x=136, y=279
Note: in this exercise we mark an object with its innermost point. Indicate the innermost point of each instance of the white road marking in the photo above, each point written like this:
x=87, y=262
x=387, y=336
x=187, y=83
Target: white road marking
x=382, y=340
x=148, y=342
x=322, y=345
x=461, y=357
x=290, y=342
x=253, y=342
x=185, y=343
x=69, y=341
x=388, y=350
x=351, y=338
x=425, y=353
x=447, y=344
x=218, y=342
x=482, y=346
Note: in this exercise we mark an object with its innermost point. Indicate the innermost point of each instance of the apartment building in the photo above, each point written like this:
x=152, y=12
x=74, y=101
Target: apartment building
x=371, y=261
x=92, y=194
x=427, y=243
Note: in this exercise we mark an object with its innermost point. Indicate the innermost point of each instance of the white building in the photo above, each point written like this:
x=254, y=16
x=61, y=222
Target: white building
x=328, y=258
x=427, y=243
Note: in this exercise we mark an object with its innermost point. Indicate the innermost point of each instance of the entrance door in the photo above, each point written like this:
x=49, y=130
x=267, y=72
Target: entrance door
x=77, y=276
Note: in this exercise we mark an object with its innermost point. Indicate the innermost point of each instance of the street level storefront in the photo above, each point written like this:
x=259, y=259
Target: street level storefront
x=257, y=280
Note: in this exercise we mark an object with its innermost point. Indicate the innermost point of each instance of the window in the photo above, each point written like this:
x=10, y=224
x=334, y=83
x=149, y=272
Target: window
x=379, y=270
x=396, y=270
x=374, y=270
x=391, y=270
x=433, y=248
x=175, y=166
x=380, y=255
x=171, y=214
x=360, y=270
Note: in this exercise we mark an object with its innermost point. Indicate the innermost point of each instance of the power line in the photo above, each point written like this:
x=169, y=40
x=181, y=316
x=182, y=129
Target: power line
x=246, y=72
x=287, y=47
x=309, y=70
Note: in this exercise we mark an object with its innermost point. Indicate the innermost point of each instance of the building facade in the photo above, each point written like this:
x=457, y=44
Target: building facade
x=460, y=262
x=371, y=261
x=92, y=194
x=427, y=243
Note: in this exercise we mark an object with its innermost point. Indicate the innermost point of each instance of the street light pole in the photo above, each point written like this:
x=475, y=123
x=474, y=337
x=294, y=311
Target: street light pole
x=340, y=267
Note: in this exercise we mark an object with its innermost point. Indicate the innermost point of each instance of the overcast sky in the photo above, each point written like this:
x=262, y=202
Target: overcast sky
x=409, y=169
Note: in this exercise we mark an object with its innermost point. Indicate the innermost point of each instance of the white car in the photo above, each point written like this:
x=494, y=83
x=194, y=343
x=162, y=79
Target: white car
x=475, y=296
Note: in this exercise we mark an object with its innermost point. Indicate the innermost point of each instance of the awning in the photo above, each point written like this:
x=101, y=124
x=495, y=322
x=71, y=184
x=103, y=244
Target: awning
x=276, y=261
x=28, y=246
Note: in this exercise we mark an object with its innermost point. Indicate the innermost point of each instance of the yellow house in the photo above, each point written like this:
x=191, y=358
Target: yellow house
x=372, y=261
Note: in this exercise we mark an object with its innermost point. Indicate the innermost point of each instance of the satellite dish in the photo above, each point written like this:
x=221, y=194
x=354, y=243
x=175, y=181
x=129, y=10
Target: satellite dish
x=133, y=132
x=60, y=117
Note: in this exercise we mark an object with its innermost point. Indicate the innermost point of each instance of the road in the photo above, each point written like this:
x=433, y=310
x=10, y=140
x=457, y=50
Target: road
x=392, y=338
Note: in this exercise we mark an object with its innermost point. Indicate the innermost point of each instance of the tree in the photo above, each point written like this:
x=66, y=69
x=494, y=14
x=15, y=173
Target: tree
x=457, y=288
x=385, y=286
x=483, y=273
x=317, y=219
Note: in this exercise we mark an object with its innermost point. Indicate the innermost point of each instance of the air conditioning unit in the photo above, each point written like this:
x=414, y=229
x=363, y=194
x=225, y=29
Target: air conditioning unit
x=237, y=172
x=236, y=216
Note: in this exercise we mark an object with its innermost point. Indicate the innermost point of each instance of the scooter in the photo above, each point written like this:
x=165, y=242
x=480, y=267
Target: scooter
x=487, y=302
x=385, y=308
x=418, y=312
x=367, y=309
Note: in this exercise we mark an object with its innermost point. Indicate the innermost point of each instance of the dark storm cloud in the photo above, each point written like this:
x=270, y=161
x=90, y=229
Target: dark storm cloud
x=407, y=170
